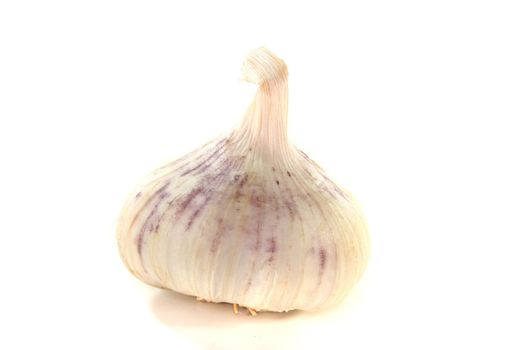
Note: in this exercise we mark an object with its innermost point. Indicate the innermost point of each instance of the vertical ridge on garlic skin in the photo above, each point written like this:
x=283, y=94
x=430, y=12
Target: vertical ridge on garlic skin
x=350, y=248
x=141, y=205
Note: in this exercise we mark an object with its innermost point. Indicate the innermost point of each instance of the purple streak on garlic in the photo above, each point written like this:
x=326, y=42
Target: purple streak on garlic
x=247, y=219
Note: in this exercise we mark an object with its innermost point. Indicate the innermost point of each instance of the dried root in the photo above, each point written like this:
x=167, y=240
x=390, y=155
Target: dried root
x=252, y=312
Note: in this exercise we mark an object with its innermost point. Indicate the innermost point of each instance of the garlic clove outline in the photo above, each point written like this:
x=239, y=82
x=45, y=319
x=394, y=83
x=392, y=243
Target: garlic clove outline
x=248, y=218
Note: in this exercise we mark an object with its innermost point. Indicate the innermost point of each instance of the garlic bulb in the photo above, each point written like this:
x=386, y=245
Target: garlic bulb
x=247, y=219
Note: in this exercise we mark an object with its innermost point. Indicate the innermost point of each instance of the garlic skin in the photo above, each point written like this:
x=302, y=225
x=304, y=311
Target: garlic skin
x=247, y=219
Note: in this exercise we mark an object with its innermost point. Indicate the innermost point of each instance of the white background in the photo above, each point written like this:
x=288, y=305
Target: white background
x=417, y=107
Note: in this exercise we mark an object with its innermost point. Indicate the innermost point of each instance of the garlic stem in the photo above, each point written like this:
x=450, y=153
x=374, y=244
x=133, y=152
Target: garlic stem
x=264, y=128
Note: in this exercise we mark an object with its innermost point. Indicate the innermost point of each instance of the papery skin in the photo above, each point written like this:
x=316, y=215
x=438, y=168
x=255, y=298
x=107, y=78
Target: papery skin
x=247, y=219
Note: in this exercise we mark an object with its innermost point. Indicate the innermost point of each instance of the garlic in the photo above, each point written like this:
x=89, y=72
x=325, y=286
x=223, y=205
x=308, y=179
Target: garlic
x=247, y=219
